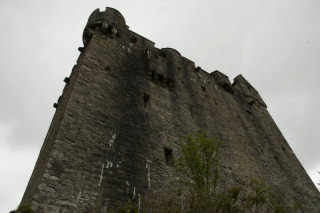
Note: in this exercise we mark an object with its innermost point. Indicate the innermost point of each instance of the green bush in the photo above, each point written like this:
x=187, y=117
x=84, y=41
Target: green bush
x=200, y=161
x=199, y=192
x=128, y=207
x=25, y=209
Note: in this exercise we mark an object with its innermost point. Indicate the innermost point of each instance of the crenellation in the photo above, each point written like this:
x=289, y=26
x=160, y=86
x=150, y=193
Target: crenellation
x=197, y=69
x=247, y=91
x=222, y=80
x=141, y=41
x=156, y=57
x=188, y=62
x=110, y=22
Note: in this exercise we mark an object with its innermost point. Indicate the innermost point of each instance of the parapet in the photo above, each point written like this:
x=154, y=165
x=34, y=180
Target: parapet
x=248, y=92
x=222, y=80
x=111, y=23
x=109, y=20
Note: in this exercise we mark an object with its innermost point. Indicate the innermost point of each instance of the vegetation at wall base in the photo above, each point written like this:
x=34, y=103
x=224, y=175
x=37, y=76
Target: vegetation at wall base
x=128, y=207
x=203, y=194
x=23, y=209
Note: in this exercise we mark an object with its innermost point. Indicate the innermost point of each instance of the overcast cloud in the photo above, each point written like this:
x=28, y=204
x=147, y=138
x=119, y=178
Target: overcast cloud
x=274, y=44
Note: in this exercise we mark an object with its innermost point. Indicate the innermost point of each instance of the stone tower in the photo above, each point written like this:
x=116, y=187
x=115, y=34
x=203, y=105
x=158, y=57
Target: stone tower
x=122, y=111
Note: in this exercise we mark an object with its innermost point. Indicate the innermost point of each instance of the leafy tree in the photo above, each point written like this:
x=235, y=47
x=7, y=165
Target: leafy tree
x=200, y=191
x=200, y=161
x=23, y=209
x=128, y=207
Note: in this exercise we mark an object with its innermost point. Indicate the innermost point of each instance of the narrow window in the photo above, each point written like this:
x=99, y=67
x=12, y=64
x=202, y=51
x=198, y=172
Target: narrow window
x=146, y=100
x=133, y=39
x=160, y=78
x=284, y=149
x=215, y=101
x=168, y=156
x=190, y=109
x=170, y=82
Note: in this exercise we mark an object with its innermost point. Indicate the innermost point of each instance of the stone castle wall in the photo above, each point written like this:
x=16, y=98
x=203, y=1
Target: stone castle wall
x=122, y=111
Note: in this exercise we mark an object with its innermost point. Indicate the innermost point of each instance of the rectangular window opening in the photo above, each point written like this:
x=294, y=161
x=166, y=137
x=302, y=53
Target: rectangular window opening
x=146, y=100
x=168, y=156
x=160, y=78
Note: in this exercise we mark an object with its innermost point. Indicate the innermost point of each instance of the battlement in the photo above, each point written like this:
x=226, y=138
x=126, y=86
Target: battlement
x=111, y=23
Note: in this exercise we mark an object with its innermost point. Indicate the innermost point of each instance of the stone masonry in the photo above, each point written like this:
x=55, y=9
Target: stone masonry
x=122, y=111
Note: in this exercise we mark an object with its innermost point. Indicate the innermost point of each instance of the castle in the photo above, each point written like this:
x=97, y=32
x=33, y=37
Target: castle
x=122, y=111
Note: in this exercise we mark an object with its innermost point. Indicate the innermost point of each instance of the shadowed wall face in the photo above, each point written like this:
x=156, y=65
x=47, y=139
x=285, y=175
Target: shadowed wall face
x=123, y=109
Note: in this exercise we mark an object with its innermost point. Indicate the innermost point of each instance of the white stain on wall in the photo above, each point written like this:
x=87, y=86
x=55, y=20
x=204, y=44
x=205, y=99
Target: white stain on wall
x=79, y=195
x=111, y=141
x=139, y=202
x=148, y=167
x=134, y=193
x=101, y=175
x=109, y=164
x=118, y=164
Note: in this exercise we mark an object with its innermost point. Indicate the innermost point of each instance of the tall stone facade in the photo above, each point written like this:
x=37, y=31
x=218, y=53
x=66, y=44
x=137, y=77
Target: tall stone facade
x=122, y=111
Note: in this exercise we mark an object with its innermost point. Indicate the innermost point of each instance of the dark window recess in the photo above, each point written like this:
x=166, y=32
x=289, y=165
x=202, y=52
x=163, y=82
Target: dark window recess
x=252, y=102
x=133, y=39
x=146, y=100
x=197, y=69
x=162, y=54
x=203, y=88
x=170, y=83
x=284, y=149
x=160, y=78
x=109, y=29
x=168, y=156
x=215, y=101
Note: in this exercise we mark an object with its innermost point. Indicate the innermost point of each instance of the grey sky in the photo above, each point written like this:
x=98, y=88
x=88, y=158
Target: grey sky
x=274, y=44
